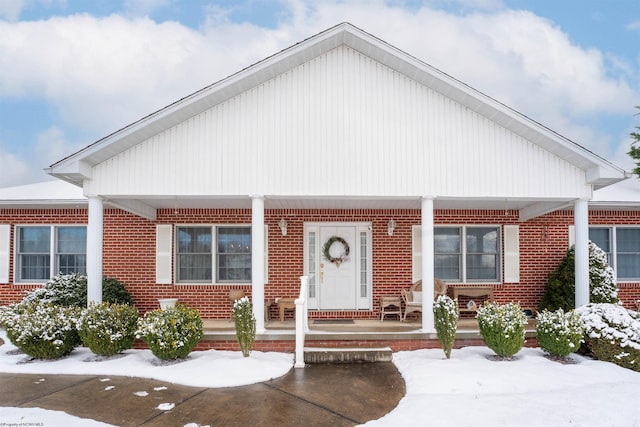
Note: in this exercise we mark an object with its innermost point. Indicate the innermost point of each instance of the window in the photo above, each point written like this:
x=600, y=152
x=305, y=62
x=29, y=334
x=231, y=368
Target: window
x=622, y=245
x=194, y=254
x=234, y=254
x=36, y=250
x=467, y=254
x=197, y=258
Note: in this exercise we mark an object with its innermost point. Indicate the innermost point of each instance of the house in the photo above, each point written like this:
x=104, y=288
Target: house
x=342, y=159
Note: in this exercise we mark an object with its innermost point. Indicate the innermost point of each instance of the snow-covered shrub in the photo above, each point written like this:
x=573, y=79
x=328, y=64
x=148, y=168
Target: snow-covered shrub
x=502, y=327
x=612, y=333
x=445, y=311
x=71, y=290
x=245, y=324
x=171, y=333
x=602, y=279
x=560, y=291
x=559, y=333
x=63, y=289
x=108, y=329
x=41, y=330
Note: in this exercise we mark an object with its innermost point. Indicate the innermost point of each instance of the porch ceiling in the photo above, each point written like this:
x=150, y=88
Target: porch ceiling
x=272, y=202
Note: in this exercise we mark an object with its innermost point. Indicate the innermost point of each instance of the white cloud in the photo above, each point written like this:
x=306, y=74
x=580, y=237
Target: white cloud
x=103, y=73
x=52, y=145
x=633, y=26
x=15, y=170
x=11, y=9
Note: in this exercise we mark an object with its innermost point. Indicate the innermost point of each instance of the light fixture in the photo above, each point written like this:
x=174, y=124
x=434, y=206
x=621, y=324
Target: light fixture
x=283, y=226
x=391, y=225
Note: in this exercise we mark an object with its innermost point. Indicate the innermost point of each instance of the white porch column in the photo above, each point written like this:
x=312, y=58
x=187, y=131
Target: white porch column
x=581, y=222
x=94, y=250
x=257, y=260
x=427, y=264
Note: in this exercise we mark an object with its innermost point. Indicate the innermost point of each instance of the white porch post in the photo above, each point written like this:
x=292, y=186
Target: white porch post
x=427, y=264
x=94, y=250
x=257, y=260
x=581, y=223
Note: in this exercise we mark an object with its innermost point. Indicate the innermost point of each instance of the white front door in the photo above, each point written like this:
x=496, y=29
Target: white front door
x=338, y=263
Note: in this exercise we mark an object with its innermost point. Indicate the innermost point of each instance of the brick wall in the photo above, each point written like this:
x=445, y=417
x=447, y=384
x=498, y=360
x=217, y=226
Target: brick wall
x=129, y=251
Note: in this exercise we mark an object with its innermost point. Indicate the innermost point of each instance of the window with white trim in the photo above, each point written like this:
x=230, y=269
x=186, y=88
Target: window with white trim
x=46, y=250
x=197, y=258
x=622, y=245
x=467, y=253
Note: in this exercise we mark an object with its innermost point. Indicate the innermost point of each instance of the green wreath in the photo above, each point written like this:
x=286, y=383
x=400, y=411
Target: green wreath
x=326, y=250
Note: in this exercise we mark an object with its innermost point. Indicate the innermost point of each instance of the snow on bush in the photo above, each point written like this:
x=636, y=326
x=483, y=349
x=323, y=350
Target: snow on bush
x=63, y=289
x=41, y=330
x=502, y=327
x=71, y=290
x=245, y=324
x=559, y=333
x=445, y=311
x=612, y=333
x=171, y=333
x=108, y=329
x=602, y=279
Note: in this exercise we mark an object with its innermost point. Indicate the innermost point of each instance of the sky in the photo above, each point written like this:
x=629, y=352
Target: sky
x=74, y=71
x=588, y=393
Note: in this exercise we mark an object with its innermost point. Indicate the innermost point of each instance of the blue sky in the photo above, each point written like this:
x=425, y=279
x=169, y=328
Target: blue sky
x=73, y=71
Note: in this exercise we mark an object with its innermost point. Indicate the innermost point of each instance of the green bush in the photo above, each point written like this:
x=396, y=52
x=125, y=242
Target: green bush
x=560, y=291
x=612, y=333
x=115, y=292
x=171, y=333
x=245, y=324
x=71, y=290
x=502, y=327
x=445, y=311
x=41, y=330
x=108, y=329
x=559, y=333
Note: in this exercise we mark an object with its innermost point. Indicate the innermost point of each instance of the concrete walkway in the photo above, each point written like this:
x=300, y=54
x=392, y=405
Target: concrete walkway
x=318, y=395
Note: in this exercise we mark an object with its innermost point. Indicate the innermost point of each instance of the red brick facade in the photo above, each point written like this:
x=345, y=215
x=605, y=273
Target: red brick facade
x=129, y=251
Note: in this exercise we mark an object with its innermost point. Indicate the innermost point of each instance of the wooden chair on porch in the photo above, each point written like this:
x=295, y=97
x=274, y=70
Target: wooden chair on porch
x=412, y=297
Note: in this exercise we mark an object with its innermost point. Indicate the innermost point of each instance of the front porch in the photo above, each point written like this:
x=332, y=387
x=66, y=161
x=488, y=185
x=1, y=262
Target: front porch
x=344, y=334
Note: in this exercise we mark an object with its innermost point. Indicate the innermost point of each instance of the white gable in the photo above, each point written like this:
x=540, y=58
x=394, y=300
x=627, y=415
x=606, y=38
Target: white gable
x=341, y=115
x=341, y=124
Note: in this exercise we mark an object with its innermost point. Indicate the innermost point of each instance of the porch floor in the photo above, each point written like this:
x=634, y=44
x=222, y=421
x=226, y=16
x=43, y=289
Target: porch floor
x=358, y=329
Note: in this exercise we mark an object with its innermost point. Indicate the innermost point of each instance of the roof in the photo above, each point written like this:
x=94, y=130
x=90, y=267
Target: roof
x=50, y=194
x=621, y=195
x=78, y=166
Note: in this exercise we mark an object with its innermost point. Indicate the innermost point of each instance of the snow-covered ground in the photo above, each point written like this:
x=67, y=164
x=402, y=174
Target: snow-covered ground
x=466, y=390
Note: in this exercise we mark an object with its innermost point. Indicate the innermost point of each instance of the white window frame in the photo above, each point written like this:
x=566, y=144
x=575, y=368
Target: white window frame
x=613, y=238
x=54, y=267
x=214, y=253
x=463, y=254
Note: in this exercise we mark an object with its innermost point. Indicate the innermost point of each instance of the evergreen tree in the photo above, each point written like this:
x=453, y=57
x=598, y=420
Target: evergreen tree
x=635, y=149
x=560, y=291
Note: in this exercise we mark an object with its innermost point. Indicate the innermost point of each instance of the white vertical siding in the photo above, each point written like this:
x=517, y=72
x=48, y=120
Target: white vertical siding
x=340, y=124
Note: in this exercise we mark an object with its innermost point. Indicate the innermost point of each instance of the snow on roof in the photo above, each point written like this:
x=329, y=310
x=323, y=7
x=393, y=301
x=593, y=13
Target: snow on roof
x=621, y=194
x=47, y=193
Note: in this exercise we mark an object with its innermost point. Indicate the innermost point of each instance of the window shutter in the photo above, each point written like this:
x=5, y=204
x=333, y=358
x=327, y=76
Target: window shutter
x=5, y=250
x=164, y=243
x=416, y=253
x=572, y=235
x=266, y=254
x=511, y=253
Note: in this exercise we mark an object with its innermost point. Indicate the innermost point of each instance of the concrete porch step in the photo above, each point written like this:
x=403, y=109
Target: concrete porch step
x=347, y=355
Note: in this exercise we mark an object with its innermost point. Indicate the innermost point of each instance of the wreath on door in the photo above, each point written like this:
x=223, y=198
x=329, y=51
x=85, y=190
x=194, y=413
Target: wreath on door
x=326, y=250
